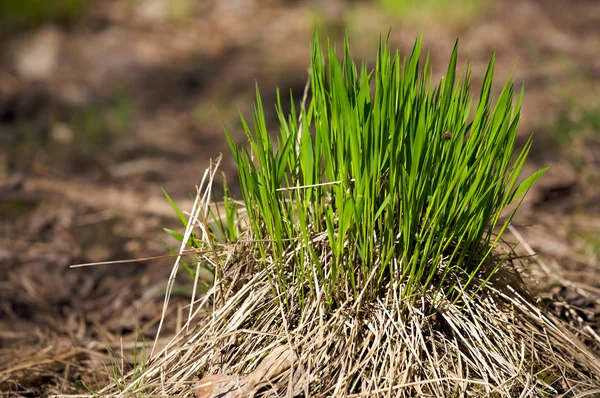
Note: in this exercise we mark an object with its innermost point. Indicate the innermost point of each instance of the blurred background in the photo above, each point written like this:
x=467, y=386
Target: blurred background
x=103, y=103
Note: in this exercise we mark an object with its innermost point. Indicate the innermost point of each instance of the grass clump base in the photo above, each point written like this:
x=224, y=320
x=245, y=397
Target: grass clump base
x=499, y=344
x=362, y=260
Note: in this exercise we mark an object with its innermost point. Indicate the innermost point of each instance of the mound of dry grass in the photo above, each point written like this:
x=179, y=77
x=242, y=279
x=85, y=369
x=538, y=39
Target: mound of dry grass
x=498, y=344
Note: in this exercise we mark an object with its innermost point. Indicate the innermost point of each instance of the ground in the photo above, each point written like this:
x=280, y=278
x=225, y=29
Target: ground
x=102, y=109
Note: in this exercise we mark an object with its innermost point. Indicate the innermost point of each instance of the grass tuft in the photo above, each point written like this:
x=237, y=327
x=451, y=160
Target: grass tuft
x=395, y=183
x=356, y=263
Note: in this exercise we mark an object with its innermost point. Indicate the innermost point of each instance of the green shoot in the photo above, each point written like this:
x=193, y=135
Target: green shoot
x=391, y=184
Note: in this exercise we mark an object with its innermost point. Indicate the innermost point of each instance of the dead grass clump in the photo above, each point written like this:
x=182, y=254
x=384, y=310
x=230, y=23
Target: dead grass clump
x=491, y=341
x=498, y=344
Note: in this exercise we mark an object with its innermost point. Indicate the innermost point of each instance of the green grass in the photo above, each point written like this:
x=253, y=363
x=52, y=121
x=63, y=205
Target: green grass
x=575, y=128
x=86, y=130
x=384, y=179
x=96, y=126
x=16, y=15
x=434, y=9
x=195, y=243
x=122, y=372
x=592, y=245
x=399, y=181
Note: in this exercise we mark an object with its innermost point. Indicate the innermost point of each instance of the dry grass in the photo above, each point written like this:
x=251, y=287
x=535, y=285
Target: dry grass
x=499, y=344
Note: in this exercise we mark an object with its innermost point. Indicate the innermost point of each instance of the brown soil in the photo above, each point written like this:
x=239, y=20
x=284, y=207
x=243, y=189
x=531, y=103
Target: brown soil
x=98, y=116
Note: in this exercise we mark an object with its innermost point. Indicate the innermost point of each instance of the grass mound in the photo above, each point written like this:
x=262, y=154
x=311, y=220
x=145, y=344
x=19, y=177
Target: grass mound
x=362, y=260
x=499, y=344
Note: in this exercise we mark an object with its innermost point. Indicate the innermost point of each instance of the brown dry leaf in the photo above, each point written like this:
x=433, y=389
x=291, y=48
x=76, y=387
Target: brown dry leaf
x=212, y=385
x=278, y=361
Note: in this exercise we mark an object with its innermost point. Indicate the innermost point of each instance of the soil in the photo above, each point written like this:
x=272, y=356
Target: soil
x=100, y=114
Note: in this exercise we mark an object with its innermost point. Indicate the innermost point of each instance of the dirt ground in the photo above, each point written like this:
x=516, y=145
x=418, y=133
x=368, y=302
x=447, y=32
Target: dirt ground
x=99, y=113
